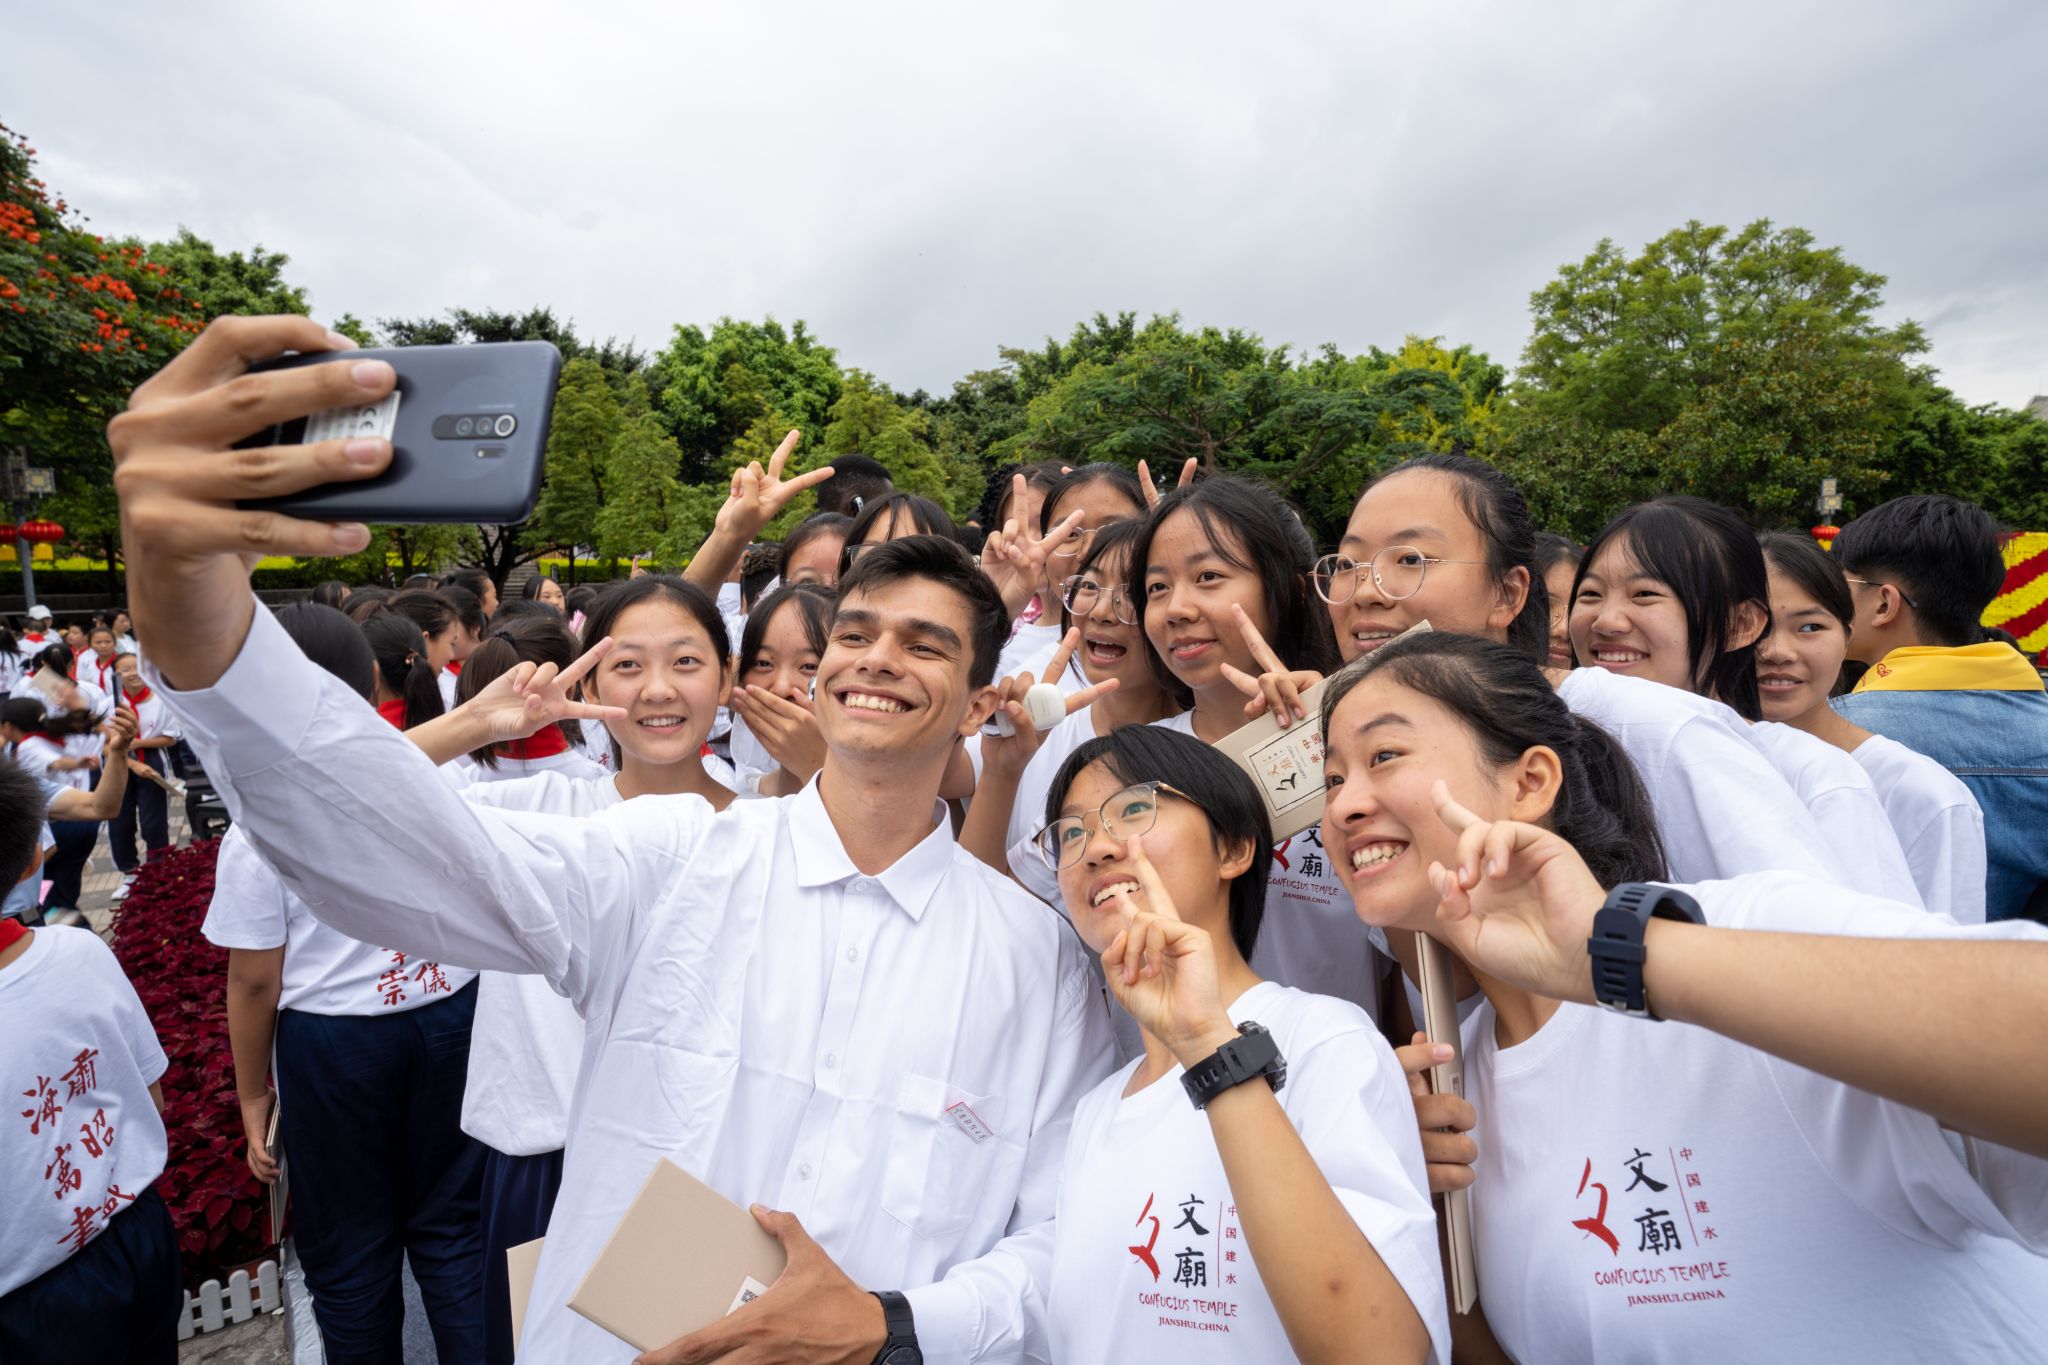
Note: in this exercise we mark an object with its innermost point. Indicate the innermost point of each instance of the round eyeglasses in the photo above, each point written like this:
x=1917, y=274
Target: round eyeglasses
x=1131, y=811
x=1083, y=591
x=1397, y=573
x=1074, y=544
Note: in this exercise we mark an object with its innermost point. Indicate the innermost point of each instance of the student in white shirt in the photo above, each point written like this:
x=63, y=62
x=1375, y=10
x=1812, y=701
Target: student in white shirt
x=1650, y=1193
x=1283, y=1217
x=1675, y=591
x=51, y=748
x=1799, y=664
x=1219, y=564
x=542, y=638
x=371, y=1047
x=471, y=623
x=1009, y=800
x=665, y=671
x=36, y=634
x=1104, y=494
x=776, y=744
x=89, y=1264
x=793, y=994
x=96, y=665
x=146, y=804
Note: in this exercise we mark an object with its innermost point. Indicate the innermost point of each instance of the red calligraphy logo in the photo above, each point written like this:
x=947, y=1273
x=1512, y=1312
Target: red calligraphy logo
x=391, y=986
x=96, y=1133
x=43, y=1107
x=116, y=1197
x=1144, y=1253
x=84, y=1073
x=82, y=1227
x=430, y=972
x=1597, y=1224
x=60, y=1169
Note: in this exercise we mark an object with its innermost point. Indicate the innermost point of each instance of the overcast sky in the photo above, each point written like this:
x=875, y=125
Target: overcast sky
x=925, y=183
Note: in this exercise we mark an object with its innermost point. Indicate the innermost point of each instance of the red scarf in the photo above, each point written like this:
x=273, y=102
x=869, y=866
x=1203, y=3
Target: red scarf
x=455, y=667
x=393, y=711
x=140, y=695
x=34, y=637
x=543, y=743
x=12, y=931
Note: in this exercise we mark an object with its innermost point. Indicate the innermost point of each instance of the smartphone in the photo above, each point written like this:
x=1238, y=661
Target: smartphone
x=1440, y=1022
x=468, y=426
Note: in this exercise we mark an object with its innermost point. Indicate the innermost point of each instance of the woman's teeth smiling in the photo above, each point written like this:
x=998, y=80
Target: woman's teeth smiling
x=1104, y=652
x=1108, y=893
x=1619, y=656
x=1779, y=682
x=660, y=722
x=1372, y=855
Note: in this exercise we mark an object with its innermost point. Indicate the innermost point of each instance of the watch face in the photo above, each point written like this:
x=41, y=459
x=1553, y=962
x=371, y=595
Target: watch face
x=904, y=1355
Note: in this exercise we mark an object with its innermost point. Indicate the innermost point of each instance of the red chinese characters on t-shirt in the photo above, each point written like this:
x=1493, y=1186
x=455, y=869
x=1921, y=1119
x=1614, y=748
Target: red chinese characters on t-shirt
x=1662, y=1252
x=1200, y=1275
x=75, y=1149
x=391, y=985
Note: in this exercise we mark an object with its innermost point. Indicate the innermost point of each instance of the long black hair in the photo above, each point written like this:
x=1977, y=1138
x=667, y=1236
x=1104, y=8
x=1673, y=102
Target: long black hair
x=1494, y=505
x=401, y=654
x=1707, y=555
x=537, y=639
x=427, y=608
x=808, y=530
x=614, y=601
x=1819, y=575
x=926, y=518
x=814, y=603
x=1502, y=696
x=1081, y=476
x=330, y=592
x=1218, y=787
x=325, y=635
x=1252, y=527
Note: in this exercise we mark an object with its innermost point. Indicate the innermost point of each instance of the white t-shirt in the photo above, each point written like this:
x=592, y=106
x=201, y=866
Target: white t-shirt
x=1654, y=1192
x=1031, y=648
x=1938, y=823
x=1845, y=806
x=1149, y=1260
x=1721, y=807
x=526, y=1048
x=29, y=644
x=449, y=677
x=1311, y=937
x=36, y=753
x=325, y=972
x=83, y=1135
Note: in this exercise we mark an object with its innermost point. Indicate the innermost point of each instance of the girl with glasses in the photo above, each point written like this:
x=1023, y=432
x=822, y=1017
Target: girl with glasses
x=1652, y=1192
x=1221, y=568
x=1799, y=664
x=1674, y=591
x=1284, y=1217
x=1104, y=495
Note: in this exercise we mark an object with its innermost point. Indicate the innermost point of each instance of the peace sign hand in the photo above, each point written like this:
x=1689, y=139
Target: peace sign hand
x=1187, y=476
x=1518, y=905
x=757, y=495
x=1008, y=755
x=531, y=696
x=1279, y=688
x=1163, y=969
x=1014, y=557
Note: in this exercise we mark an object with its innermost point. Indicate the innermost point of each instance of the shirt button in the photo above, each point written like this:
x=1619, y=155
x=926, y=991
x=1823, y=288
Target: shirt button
x=831, y=1060
x=853, y=954
x=804, y=1171
x=863, y=886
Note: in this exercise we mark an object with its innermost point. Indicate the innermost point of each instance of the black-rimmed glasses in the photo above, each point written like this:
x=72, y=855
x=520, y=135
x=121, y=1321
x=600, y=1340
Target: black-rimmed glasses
x=1131, y=811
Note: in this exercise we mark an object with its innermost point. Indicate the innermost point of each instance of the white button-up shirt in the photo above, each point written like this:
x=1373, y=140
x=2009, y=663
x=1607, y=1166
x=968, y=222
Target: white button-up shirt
x=894, y=1058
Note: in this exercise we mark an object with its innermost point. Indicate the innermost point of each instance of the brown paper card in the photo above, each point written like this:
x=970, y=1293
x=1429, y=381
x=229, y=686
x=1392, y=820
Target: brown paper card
x=681, y=1258
x=520, y=1263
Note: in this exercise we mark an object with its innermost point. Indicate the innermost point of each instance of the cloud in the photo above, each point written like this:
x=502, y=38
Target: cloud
x=924, y=183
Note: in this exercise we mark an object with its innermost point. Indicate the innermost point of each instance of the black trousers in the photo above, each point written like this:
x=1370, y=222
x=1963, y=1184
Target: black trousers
x=519, y=1196
x=371, y=1121
x=116, y=1302
x=148, y=805
x=64, y=869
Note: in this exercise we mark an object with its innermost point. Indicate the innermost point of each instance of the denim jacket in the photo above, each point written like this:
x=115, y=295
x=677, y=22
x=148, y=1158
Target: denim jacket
x=1997, y=744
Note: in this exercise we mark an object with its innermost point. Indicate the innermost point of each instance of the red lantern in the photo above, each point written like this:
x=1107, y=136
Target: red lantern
x=40, y=532
x=7, y=536
x=1826, y=535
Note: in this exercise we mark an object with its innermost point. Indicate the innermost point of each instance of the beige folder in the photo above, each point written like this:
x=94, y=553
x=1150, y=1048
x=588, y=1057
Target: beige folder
x=520, y=1263
x=1440, y=1022
x=682, y=1258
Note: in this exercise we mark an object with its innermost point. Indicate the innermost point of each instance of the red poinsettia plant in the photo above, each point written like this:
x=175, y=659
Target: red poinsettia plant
x=222, y=1211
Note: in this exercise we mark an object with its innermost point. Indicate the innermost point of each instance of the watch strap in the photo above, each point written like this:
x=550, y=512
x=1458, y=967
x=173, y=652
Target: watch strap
x=901, y=1346
x=1254, y=1052
x=1616, y=944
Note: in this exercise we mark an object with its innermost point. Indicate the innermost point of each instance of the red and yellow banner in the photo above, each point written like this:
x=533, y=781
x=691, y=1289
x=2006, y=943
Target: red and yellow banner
x=2022, y=604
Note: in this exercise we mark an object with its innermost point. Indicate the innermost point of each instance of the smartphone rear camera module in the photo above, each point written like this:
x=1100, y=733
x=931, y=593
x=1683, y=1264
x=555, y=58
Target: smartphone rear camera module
x=464, y=427
x=505, y=425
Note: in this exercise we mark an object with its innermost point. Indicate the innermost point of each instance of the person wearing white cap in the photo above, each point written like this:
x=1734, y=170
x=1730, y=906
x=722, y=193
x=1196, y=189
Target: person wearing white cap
x=37, y=636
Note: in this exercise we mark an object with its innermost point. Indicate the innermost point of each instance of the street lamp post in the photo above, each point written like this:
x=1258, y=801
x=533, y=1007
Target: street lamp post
x=24, y=484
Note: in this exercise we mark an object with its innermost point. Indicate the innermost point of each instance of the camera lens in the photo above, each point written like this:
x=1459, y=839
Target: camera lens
x=505, y=424
x=464, y=427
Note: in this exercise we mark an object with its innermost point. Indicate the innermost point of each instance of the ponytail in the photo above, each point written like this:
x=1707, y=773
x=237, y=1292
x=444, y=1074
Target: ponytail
x=1500, y=694
x=401, y=654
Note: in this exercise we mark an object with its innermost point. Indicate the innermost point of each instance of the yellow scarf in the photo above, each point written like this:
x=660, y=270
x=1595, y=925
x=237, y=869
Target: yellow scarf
x=1993, y=666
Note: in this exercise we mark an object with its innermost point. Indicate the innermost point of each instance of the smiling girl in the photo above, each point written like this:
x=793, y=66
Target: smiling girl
x=778, y=748
x=1650, y=1193
x=1799, y=662
x=1282, y=1217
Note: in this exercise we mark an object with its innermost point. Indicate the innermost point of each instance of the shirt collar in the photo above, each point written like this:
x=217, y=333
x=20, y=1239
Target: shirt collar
x=821, y=858
x=1992, y=666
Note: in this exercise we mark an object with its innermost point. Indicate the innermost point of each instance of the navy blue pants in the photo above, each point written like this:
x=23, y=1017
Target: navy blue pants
x=519, y=1195
x=146, y=804
x=116, y=1302
x=370, y=1119
x=64, y=869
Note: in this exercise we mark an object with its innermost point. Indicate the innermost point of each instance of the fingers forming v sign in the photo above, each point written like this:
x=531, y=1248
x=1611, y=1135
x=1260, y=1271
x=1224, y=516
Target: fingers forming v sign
x=1278, y=689
x=758, y=494
x=1163, y=969
x=530, y=696
x=1014, y=557
x=1187, y=476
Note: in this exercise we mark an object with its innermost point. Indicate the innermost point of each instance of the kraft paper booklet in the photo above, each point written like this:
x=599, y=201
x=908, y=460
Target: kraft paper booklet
x=1286, y=764
x=520, y=1263
x=682, y=1257
x=1440, y=1022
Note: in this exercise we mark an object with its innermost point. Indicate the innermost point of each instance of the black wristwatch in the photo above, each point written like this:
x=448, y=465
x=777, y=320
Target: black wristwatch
x=1252, y=1053
x=901, y=1347
x=1616, y=946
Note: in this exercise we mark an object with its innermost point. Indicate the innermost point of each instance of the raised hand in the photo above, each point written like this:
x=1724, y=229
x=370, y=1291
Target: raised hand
x=530, y=696
x=787, y=730
x=1518, y=904
x=1187, y=476
x=1163, y=969
x=1014, y=557
x=119, y=730
x=1010, y=754
x=1443, y=1119
x=758, y=494
x=1278, y=689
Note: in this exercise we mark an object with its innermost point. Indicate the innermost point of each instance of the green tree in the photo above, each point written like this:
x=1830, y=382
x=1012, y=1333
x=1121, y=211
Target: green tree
x=587, y=421
x=647, y=498
x=710, y=388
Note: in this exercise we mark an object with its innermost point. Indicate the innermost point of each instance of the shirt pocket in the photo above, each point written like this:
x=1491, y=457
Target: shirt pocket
x=937, y=1169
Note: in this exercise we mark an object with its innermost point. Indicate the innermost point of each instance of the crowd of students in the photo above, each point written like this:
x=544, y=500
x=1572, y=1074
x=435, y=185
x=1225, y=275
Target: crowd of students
x=1036, y=1044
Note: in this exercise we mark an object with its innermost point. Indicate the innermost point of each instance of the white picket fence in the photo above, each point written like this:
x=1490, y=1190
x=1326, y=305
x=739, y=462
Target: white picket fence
x=213, y=1308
